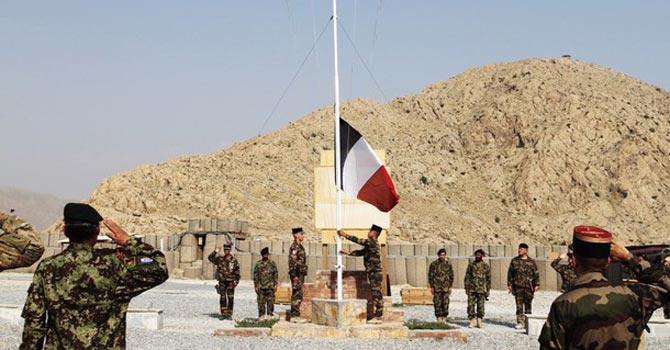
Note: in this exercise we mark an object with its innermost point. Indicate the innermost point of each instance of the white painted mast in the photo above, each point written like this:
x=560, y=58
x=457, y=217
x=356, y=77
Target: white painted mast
x=338, y=157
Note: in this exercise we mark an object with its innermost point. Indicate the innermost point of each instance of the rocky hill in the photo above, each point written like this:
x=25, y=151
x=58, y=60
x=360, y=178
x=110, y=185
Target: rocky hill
x=37, y=208
x=502, y=153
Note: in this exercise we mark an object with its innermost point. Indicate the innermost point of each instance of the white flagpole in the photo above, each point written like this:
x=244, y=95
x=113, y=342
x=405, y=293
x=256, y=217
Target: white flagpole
x=338, y=171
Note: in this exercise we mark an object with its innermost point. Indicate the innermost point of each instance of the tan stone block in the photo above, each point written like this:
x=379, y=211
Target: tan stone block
x=291, y=330
x=382, y=331
x=339, y=313
x=449, y=334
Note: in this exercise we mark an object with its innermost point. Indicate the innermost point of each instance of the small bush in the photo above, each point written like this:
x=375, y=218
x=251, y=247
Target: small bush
x=251, y=323
x=416, y=324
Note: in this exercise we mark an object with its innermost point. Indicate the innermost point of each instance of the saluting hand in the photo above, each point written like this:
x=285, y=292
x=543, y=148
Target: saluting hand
x=618, y=252
x=116, y=233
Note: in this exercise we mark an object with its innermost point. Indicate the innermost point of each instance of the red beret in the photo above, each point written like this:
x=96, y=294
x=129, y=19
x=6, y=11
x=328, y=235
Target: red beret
x=591, y=242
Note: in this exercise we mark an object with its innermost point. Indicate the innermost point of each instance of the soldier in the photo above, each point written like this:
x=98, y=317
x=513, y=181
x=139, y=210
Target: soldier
x=78, y=298
x=567, y=271
x=19, y=244
x=371, y=254
x=228, y=275
x=266, y=282
x=523, y=280
x=477, y=284
x=441, y=278
x=596, y=313
x=666, y=270
x=297, y=270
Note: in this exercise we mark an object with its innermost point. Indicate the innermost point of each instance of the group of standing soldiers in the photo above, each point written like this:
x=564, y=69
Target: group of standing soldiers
x=266, y=275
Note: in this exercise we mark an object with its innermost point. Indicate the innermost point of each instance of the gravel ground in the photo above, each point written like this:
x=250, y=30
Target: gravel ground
x=190, y=310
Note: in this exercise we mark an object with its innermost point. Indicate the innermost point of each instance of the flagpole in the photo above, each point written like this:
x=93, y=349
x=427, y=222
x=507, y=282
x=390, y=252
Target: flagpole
x=338, y=169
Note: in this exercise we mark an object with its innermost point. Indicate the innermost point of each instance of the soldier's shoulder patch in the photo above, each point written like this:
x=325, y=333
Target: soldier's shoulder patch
x=145, y=260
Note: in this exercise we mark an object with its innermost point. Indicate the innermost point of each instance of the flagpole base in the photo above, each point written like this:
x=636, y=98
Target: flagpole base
x=339, y=313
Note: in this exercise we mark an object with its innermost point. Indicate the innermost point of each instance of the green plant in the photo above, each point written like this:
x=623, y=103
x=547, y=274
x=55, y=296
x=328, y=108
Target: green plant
x=417, y=324
x=250, y=323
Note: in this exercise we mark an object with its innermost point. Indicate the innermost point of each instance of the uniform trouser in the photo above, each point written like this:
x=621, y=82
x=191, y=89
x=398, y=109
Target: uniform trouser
x=524, y=301
x=441, y=304
x=375, y=279
x=296, y=294
x=666, y=309
x=226, y=298
x=266, y=302
x=476, y=305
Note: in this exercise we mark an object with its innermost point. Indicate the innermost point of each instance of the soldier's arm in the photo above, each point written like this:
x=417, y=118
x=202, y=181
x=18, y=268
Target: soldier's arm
x=212, y=256
x=149, y=271
x=510, y=274
x=431, y=275
x=275, y=274
x=359, y=252
x=536, y=276
x=450, y=276
x=553, y=332
x=555, y=263
x=34, y=313
x=488, y=278
x=256, y=276
x=362, y=241
x=236, y=271
x=468, y=273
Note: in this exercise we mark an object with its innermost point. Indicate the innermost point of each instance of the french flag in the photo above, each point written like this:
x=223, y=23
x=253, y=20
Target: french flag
x=363, y=175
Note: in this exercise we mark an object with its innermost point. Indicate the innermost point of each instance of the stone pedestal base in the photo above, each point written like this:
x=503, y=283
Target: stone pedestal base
x=339, y=313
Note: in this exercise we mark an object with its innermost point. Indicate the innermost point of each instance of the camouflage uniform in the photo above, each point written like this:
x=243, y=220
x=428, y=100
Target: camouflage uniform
x=19, y=244
x=567, y=272
x=265, y=281
x=441, y=278
x=371, y=254
x=297, y=270
x=666, y=304
x=597, y=314
x=228, y=275
x=522, y=278
x=477, y=284
x=79, y=298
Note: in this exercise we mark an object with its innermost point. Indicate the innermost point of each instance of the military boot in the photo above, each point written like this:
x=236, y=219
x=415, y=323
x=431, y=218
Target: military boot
x=480, y=323
x=473, y=323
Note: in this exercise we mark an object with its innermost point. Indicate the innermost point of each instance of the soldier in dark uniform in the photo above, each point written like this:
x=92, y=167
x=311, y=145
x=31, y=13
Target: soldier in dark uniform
x=297, y=270
x=266, y=281
x=596, y=313
x=567, y=271
x=666, y=271
x=477, y=284
x=19, y=244
x=371, y=254
x=440, y=279
x=228, y=275
x=523, y=280
x=79, y=298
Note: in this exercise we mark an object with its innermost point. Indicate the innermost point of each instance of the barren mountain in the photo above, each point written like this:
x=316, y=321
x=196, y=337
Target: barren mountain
x=39, y=209
x=502, y=153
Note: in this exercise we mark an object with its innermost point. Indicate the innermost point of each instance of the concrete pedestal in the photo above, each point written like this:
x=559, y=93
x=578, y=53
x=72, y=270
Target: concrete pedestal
x=339, y=313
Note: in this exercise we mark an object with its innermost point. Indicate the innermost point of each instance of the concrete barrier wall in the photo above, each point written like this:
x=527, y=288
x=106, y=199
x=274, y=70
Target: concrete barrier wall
x=407, y=264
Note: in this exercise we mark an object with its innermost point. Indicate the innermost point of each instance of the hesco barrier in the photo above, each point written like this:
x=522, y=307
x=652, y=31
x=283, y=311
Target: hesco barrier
x=407, y=264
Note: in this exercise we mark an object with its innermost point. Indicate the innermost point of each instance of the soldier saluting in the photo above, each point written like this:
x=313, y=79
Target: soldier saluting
x=78, y=299
x=297, y=270
x=567, y=271
x=266, y=281
x=523, y=280
x=228, y=275
x=371, y=254
x=477, y=284
x=441, y=278
x=596, y=313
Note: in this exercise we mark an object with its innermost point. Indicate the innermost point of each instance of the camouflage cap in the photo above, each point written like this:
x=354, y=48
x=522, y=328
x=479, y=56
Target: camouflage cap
x=81, y=212
x=591, y=242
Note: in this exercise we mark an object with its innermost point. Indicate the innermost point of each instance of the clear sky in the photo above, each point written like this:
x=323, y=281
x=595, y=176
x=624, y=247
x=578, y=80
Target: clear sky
x=92, y=88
